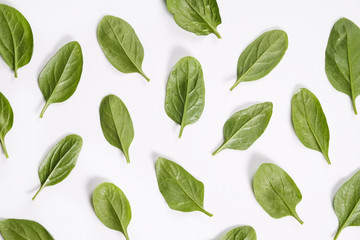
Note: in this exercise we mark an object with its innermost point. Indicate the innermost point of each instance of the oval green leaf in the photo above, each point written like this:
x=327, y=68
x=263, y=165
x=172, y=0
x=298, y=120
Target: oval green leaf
x=20, y=229
x=16, y=38
x=261, y=56
x=243, y=128
x=309, y=122
x=180, y=189
x=59, y=162
x=6, y=120
x=112, y=207
x=185, y=92
x=61, y=75
x=342, y=58
x=116, y=124
x=276, y=192
x=240, y=233
x=121, y=45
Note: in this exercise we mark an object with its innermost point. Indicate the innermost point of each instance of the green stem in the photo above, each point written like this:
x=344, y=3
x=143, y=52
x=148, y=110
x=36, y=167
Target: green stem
x=4, y=147
x=15, y=73
x=354, y=104
x=143, y=74
x=127, y=157
x=236, y=83
x=126, y=235
x=219, y=149
x=206, y=212
x=338, y=233
x=181, y=130
x=217, y=33
x=297, y=217
x=41, y=188
x=327, y=159
x=44, y=109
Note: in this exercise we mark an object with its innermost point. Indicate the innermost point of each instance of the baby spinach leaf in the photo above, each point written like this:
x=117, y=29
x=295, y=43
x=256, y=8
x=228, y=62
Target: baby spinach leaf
x=112, y=207
x=342, y=59
x=16, y=38
x=261, y=56
x=6, y=120
x=185, y=92
x=59, y=162
x=276, y=192
x=309, y=122
x=200, y=17
x=347, y=204
x=121, y=45
x=61, y=75
x=180, y=189
x=243, y=128
x=240, y=233
x=116, y=124
x=20, y=229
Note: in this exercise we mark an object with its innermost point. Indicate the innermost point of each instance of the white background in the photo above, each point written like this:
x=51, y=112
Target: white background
x=66, y=210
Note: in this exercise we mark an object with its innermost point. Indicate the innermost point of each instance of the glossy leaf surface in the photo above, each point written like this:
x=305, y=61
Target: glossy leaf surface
x=19, y=229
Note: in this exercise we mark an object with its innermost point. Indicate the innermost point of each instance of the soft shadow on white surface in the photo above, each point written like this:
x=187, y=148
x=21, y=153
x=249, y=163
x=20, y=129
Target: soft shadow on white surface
x=176, y=54
x=341, y=182
x=93, y=183
x=255, y=161
x=225, y=231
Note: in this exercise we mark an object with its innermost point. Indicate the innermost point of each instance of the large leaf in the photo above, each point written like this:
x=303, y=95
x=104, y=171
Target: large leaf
x=261, y=56
x=240, y=233
x=243, y=128
x=16, y=38
x=59, y=162
x=19, y=229
x=180, y=189
x=342, y=59
x=121, y=45
x=112, y=207
x=276, y=192
x=198, y=16
x=185, y=92
x=6, y=120
x=309, y=122
x=116, y=124
x=61, y=75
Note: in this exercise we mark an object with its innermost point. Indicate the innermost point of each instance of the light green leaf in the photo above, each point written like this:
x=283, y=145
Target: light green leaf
x=19, y=229
x=240, y=233
x=6, y=120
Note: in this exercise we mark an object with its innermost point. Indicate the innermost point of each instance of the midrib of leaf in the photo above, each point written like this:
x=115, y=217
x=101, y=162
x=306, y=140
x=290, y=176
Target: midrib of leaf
x=14, y=45
x=119, y=218
x=16, y=233
x=346, y=221
x=185, y=101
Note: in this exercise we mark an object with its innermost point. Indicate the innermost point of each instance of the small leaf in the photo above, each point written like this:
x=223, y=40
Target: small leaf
x=185, y=92
x=59, y=162
x=6, y=120
x=112, y=207
x=121, y=45
x=116, y=124
x=243, y=128
x=276, y=192
x=342, y=59
x=61, y=75
x=180, y=189
x=19, y=229
x=261, y=56
x=16, y=38
x=309, y=122
x=240, y=233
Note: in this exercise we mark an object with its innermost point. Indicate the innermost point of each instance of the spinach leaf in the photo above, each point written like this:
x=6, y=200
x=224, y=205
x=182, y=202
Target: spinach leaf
x=180, y=189
x=112, y=207
x=276, y=192
x=59, y=162
x=200, y=17
x=121, y=45
x=116, y=124
x=240, y=233
x=261, y=56
x=243, y=128
x=20, y=229
x=16, y=38
x=342, y=59
x=309, y=122
x=185, y=92
x=6, y=120
x=347, y=204
x=61, y=75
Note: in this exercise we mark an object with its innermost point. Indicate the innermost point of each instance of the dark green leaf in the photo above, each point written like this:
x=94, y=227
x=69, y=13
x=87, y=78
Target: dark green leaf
x=240, y=233
x=19, y=229
x=6, y=120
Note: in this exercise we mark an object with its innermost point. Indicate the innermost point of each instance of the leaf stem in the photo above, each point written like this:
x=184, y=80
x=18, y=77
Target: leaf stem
x=353, y=103
x=295, y=215
x=126, y=235
x=181, y=130
x=338, y=232
x=4, y=147
x=44, y=109
x=235, y=84
x=219, y=149
x=143, y=74
x=206, y=212
x=327, y=159
x=41, y=188
x=15, y=73
x=216, y=33
x=127, y=157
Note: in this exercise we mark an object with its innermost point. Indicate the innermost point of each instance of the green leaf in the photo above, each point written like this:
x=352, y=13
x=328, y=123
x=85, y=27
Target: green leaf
x=347, y=204
x=116, y=124
x=61, y=75
x=59, y=162
x=112, y=207
x=198, y=16
x=309, y=122
x=240, y=233
x=180, y=189
x=342, y=59
x=185, y=92
x=261, y=56
x=243, y=128
x=19, y=229
x=6, y=120
x=16, y=38
x=276, y=192
x=121, y=45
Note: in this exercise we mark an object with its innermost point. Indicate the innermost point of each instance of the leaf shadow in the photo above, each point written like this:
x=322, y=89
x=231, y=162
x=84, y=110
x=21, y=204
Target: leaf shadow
x=92, y=184
x=176, y=54
x=224, y=232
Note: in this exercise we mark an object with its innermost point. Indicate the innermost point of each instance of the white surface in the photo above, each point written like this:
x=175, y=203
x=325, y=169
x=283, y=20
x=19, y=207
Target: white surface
x=66, y=210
